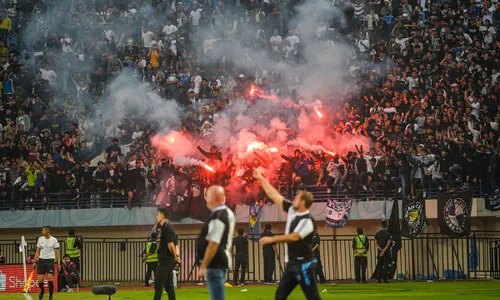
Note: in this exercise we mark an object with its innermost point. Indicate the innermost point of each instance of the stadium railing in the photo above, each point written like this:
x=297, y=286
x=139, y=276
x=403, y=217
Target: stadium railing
x=430, y=256
x=94, y=199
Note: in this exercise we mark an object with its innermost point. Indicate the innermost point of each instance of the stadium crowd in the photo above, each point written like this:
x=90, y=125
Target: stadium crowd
x=423, y=88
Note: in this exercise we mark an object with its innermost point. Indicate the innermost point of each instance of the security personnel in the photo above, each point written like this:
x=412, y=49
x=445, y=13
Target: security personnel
x=240, y=243
x=360, y=245
x=269, y=251
x=73, y=246
x=384, y=240
x=315, y=249
x=151, y=257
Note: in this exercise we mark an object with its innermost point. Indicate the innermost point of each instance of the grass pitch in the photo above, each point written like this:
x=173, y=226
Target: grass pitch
x=400, y=291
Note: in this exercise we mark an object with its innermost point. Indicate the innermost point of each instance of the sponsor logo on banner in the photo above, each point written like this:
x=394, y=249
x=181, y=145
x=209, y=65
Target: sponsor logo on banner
x=12, y=280
x=337, y=213
x=455, y=214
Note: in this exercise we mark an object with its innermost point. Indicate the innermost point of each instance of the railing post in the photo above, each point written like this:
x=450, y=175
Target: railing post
x=81, y=257
x=429, y=255
x=413, y=259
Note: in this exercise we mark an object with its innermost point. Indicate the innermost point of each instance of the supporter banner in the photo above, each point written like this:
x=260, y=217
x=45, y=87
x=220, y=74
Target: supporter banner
x=337, y=213
x=493, y=200
x=198, y=209
x=12, y=280
x=255, y=228
x=395, y=229
x=414, y=217
x=454, y=213
x=179, y=201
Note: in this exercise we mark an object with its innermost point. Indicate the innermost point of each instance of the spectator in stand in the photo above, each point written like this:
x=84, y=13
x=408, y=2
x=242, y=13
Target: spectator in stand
x=421, y=84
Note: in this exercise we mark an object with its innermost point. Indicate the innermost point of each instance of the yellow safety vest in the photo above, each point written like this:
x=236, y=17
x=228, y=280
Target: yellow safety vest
x=70, y=248
x=153, y=257
x=360, y=239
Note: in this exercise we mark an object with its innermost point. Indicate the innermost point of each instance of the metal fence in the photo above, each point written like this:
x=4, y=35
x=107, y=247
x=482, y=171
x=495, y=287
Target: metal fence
x=84, y=200
x=429, y=256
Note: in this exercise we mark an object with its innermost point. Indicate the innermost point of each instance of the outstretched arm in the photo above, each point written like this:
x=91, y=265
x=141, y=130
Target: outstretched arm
x=302, y=230
x=271, y=192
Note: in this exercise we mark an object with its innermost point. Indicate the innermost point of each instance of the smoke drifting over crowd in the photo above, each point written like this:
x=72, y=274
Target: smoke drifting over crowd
x=243, y=131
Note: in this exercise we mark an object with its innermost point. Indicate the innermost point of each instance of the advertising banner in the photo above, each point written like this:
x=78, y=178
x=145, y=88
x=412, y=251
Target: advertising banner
x=12, y=279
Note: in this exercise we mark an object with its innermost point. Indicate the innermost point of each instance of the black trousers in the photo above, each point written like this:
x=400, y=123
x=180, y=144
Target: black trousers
x=269, y=266
x=383, y=263
x=293, y=276
x=243, y=263
x=360, y=264
x=76, y=260
x=319, y=270
x=151, y=268
x=164, y=279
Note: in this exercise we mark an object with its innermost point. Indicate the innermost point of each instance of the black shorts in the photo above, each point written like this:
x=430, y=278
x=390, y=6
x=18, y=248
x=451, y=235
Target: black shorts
x=45, y=266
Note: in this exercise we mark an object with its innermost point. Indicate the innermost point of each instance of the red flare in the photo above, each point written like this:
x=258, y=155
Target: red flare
x=273, y=149
x=252, y=91
x=172, y=139
x=254, y=145
x=319, y=113
x=209, y=168
x=331, y=153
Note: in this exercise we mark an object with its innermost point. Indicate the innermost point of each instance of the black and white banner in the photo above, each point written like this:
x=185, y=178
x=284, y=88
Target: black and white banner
x=493, y=200
x=414, y=217
x=337, y=213
x=454, y=213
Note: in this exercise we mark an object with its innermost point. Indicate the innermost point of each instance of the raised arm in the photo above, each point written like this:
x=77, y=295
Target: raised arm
x=271, y=192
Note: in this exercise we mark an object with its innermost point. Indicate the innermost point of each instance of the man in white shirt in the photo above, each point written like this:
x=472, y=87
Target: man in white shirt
x=66, y=44
x=275, y=41
x=47, y=250
x=147, y=37
x=195, y=14
x=292, y=38
x=169, y=30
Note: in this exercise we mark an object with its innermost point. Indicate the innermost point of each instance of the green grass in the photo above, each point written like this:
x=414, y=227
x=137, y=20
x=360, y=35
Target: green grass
x=399, y=291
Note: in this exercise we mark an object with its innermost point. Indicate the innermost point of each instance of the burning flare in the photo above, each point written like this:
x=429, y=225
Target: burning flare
x=319, y=113
x=254, y=145
x=209, y=168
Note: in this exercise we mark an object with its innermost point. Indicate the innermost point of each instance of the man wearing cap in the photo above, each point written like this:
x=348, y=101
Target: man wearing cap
x=150, y=256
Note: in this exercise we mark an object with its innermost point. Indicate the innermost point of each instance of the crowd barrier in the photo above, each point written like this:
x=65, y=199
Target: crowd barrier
x=93, y=199
x=430, y=256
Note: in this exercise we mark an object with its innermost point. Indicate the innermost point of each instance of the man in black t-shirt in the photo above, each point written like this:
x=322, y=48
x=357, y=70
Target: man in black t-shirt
x=112, y=152
x=383, y=239
x=215, y=242
x=298, y=239
x=319, y=265
x=269, y=252
x=167, y=257
x=241, y=257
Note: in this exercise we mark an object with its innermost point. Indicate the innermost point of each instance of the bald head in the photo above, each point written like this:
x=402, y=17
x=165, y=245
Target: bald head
x=215, y=196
